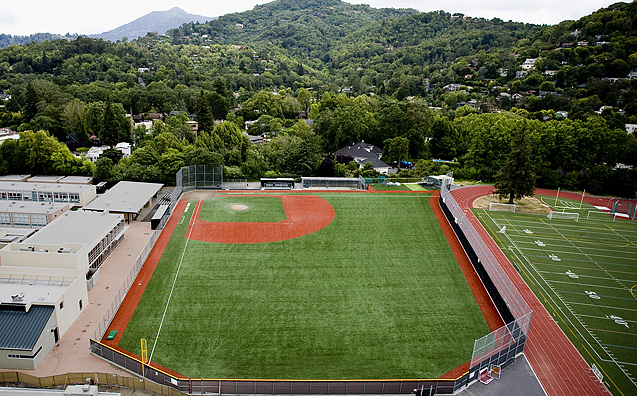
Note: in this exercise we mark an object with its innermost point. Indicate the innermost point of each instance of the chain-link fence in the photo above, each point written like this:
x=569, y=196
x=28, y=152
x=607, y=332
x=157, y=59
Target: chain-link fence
x=277, y=387
x=505, y=343
x=200, y=177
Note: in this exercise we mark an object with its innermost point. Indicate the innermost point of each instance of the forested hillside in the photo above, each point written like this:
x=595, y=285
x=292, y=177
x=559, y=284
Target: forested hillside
x=313, y=75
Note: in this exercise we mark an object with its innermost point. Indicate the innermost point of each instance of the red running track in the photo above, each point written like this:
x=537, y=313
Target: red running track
x=557, y=364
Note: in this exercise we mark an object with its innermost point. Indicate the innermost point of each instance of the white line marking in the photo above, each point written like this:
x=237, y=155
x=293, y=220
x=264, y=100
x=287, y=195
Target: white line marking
x=192, y=218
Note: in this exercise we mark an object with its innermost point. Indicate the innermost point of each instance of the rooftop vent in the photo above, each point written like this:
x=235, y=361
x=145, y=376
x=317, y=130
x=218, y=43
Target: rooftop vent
x=17, y=297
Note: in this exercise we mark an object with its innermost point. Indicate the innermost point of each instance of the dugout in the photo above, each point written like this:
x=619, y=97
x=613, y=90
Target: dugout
x=343, y=183
x=162, y=211
x=277, y=183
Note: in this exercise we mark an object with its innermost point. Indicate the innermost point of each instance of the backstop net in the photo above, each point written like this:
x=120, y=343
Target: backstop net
x=200, y=177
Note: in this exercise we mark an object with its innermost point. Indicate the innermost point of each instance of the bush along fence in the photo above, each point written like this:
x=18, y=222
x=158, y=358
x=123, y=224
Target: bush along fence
x=501, y=346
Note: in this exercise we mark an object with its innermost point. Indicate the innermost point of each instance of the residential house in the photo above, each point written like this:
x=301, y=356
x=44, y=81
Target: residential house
x=363, y=153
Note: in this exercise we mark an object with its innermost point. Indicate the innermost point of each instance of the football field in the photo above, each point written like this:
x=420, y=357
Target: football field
x=375, y=294
x=585, y=274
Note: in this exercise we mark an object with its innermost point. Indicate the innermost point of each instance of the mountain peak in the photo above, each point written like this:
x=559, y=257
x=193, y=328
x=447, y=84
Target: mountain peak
x=156, y=21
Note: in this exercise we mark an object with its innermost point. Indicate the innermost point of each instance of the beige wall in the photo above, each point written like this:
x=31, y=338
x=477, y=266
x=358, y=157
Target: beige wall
x=71, y=307
x=87, y=195
x=11, y=255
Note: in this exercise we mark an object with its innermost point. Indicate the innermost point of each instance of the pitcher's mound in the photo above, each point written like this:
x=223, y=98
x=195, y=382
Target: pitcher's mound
x=239, y=207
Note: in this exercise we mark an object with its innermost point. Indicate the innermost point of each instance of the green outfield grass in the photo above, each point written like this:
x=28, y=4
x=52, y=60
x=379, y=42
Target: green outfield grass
x=585, y=273
x=376, y=294
x=385, y=187
x=259, y=209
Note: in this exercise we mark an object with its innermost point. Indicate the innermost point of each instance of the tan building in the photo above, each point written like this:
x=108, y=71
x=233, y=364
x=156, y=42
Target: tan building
x=73, y=194
x=28, y=214
x=75, y=240
x=37, y=306
x=127, y=198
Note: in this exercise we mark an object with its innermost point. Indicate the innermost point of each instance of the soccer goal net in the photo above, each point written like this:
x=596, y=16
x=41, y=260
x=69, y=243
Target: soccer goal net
x=502, y=207
x=597, y=215
x=563, y=215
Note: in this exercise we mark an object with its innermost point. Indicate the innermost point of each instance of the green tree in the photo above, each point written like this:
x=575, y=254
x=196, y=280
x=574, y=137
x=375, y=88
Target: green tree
x=204, y=114
x=516, y=179
x=109, y=133
x=396, y=149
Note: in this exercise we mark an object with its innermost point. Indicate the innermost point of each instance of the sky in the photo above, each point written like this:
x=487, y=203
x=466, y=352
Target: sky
x=23, y=17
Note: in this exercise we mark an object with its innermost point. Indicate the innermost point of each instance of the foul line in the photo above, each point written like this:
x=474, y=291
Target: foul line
x=190, y=227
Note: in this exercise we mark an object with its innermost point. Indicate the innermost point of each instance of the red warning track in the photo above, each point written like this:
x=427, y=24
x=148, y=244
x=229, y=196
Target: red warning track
x=557, y=364
x=305, y=214
x=134, y=294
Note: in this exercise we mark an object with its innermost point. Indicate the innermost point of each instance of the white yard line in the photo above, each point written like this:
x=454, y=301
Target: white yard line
x=566, y=305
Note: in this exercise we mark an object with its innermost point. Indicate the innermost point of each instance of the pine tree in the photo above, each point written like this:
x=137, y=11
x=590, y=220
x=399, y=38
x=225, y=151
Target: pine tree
x=109, y=133
x=516, y=179
x=204, y=114
x=32, y=98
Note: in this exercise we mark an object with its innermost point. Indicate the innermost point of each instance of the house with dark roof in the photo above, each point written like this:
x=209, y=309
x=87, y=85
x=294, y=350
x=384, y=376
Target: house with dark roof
x=363, y=153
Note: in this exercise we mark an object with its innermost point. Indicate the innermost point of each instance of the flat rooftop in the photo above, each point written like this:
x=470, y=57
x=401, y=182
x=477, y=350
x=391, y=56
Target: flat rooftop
x=77, y=180
x=36, y=288
x=45, y=179
x=75, y=227
x=8, y=235
x=31, y=207
x=14, y=178
x=125, y=197
x=53, y=187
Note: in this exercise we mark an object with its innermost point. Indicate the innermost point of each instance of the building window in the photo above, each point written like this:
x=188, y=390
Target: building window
x=29, y=195
x=45, y=196
x=14, y=195
x=80, y=305
x=74, y=197
x=61, y=304
x=3, y=195
x=60, y=197
x=38, y=220
x=21, y=219
x=25, y=356
x=5, y=218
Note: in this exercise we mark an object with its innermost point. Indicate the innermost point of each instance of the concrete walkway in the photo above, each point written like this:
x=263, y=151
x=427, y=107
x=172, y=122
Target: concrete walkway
x=516, y=379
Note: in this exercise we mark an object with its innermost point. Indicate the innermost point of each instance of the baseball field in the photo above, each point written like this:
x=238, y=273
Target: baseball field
x=307, y=286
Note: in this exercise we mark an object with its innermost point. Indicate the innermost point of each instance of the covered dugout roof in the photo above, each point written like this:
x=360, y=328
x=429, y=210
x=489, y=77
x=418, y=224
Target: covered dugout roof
x=21, y=330
x=125, y=197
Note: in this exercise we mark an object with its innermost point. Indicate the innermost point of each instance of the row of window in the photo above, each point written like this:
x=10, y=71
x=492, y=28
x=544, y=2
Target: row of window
x=23, y=219
x=39, y=196
x=25, y=356
x=104, y=245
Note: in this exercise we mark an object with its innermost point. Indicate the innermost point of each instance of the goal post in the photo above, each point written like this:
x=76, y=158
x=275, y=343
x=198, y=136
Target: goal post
x=563, y=215
x=502, y=207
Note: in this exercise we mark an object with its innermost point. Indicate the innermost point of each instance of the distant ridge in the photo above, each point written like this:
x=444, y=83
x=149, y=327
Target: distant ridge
x=156, y=21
